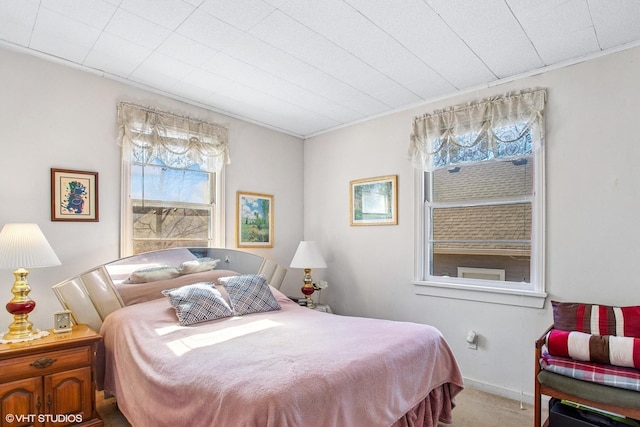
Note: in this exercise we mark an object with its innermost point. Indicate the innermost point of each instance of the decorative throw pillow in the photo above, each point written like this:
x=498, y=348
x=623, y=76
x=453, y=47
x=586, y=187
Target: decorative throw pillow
x=605, y=349
x=597, y=319
x=152, y=274
x=249, y=293
x=198, y=265
x=197, y=303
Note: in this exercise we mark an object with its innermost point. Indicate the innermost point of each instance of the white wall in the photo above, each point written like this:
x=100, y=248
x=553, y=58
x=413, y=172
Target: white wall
x=593, y=200
x=53, y=116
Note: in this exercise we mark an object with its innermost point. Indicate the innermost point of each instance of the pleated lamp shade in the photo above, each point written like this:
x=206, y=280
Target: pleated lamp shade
x=22, y=245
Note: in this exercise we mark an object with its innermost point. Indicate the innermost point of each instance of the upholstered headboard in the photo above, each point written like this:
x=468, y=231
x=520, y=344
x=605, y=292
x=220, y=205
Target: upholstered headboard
x=92, y=295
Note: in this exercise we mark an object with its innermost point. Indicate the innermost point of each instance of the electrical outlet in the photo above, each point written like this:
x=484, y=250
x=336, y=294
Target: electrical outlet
x=472, y=340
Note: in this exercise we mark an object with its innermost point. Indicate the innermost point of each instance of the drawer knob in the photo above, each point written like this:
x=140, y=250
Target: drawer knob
x=43, y=362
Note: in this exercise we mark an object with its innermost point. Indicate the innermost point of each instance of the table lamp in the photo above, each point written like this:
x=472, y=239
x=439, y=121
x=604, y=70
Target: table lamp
x=23, y=246
x=308, y=256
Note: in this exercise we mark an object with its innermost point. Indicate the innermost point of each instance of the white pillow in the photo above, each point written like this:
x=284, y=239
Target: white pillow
x=198, y=265
x=152, y=274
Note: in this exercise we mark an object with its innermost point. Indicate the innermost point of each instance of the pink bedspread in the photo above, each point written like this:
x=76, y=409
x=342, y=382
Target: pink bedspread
x=288, y=368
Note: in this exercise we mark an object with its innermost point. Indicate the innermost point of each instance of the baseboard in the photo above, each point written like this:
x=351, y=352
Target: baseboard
x=507, y=393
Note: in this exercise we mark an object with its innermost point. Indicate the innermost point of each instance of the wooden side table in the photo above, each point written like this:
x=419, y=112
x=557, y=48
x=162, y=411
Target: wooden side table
x=50, y=381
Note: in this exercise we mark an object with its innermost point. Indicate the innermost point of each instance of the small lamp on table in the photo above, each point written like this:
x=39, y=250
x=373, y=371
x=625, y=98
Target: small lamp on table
x=308, y=256
x=23, y=246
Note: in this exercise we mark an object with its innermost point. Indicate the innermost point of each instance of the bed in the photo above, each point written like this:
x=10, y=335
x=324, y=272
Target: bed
x=284, y=365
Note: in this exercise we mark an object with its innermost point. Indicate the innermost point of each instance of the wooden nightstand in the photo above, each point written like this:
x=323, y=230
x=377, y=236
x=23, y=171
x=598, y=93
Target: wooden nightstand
x=50, y=381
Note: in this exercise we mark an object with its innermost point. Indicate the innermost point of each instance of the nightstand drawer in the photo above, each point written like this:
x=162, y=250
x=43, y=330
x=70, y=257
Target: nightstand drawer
x=45, y=363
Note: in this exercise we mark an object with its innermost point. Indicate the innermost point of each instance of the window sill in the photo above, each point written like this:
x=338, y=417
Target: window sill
x=521, y=298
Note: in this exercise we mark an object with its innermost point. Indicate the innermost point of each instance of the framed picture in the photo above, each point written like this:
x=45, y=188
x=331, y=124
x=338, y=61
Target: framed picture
x=374, y=201
x=254, y=220
x=74, y=195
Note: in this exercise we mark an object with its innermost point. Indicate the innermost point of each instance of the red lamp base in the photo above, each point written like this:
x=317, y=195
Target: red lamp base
x=307, y=290
x=21, y=307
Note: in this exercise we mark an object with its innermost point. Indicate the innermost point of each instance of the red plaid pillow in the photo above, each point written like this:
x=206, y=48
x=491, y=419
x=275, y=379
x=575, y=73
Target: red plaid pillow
x=597, y=319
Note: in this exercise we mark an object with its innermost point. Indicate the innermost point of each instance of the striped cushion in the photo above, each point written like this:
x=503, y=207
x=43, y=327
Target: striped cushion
x=197, y=303
x=597, y=319
x=249, y=293
x=605, y=349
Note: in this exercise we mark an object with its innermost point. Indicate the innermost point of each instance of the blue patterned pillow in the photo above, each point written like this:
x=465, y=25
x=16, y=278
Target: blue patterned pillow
x=197, y=303
x=249, y=293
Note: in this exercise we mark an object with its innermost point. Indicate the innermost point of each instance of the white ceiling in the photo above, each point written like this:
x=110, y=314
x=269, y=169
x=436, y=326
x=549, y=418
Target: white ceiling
x=306, y=66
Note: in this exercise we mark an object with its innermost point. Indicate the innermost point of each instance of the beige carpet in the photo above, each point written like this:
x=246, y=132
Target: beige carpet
x=479, y=409
x=473, y=409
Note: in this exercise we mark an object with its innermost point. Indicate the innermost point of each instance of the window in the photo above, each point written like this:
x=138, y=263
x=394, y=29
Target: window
x=171, y=207
x=481, y=200
x=172, y=181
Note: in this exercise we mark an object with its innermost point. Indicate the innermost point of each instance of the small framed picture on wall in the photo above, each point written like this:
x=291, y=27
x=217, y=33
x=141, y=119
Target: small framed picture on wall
x=254, y=220
x=74, y=195
x=374, y=201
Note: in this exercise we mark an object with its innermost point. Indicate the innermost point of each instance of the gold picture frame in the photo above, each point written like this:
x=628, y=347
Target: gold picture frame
x=254, y=220
x=74, y=195
x=374, y=201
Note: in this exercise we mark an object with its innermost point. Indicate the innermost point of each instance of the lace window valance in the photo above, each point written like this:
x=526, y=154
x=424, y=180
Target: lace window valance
x=175, y=141
x=501, y=127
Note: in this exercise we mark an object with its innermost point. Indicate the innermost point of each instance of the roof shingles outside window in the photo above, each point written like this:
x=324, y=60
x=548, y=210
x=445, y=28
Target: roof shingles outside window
x=475, y=225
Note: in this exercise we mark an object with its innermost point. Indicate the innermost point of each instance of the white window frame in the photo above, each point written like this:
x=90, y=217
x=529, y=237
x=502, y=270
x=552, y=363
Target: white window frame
x=530, y=294
x=126, y=234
